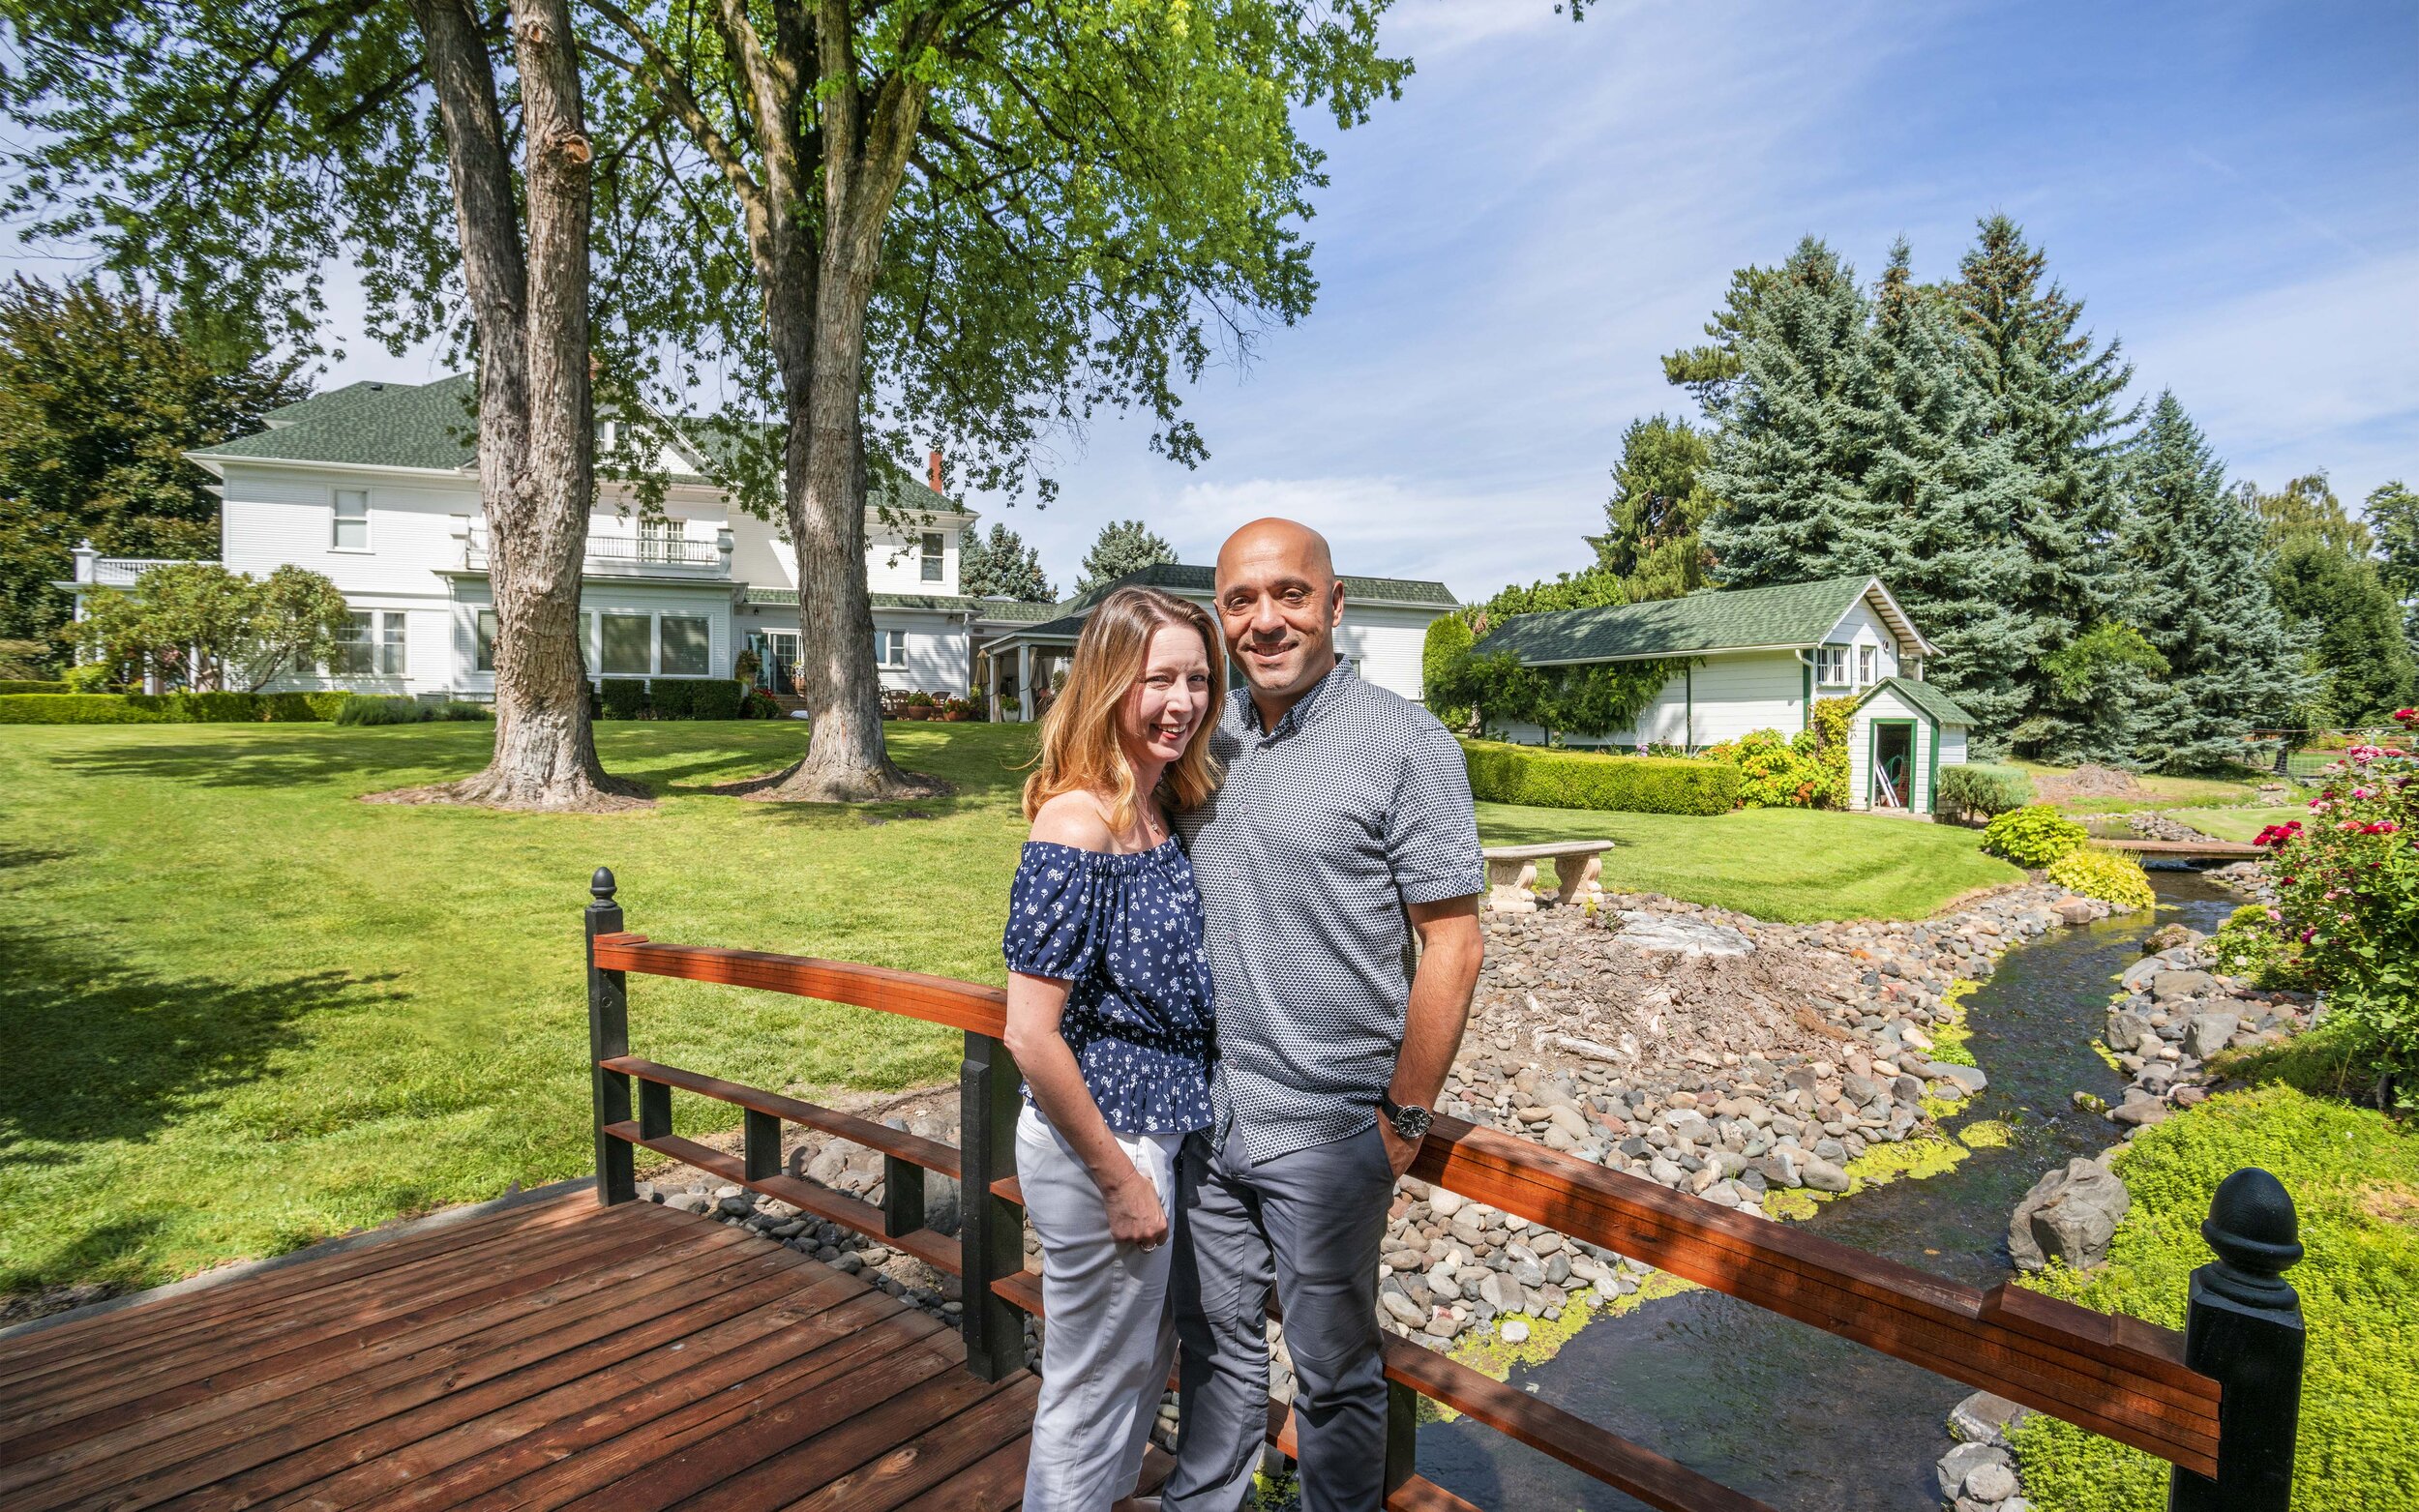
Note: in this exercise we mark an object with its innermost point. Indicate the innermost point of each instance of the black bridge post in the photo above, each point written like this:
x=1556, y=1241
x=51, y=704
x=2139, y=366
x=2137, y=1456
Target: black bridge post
x=1402, y=1434
x=609, y=1036
x=991, y=1231
x=2244, y=1328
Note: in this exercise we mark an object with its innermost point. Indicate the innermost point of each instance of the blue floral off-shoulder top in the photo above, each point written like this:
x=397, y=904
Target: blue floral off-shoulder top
x=1124, y=932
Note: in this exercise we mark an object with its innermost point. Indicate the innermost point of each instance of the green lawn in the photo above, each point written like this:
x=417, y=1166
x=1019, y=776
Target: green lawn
x=2242, y=825
x=245, y=1011
x=2158, y=790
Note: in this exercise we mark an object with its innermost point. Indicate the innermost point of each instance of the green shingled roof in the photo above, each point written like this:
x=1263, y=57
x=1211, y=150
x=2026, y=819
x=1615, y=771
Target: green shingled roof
x=1182, y=577
x=1728, y=619
x=380, y=425
x=1943, y=709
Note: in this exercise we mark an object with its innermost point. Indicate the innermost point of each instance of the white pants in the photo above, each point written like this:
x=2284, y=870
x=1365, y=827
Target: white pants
x=1108, y=1337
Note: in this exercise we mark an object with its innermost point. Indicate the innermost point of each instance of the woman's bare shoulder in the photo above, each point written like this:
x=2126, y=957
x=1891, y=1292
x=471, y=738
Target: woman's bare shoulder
x=1073, y=819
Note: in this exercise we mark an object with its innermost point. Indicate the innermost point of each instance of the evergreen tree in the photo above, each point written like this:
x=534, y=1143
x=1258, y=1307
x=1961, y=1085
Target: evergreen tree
x=2104, y=698
x=100, y=396
x=1000, y=565
x=1125, y=545
x=2199, y=560
x=1659, y=505
x=1788, y=456
x=2329, y=584
x=2055, y=395
x=1950, y=485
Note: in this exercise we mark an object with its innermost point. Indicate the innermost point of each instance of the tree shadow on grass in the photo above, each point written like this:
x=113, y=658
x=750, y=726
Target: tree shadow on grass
x=297, y=761
x=100, y=1051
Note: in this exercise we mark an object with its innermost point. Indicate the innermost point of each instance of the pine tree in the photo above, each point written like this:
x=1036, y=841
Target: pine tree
x=2199, y=560
x=2057, y=397
x=1000, y=565
x=1787, y=457
x=1951, y=486
x=1659, y=505
x=1125, y=545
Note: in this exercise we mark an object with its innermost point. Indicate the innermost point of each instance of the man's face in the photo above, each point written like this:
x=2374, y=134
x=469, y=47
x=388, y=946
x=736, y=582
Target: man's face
x=1278, y=606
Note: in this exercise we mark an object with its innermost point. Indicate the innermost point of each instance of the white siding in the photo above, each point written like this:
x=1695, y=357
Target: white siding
x=1758, y=689
x=940, y=658
x=1384, y=645
x=278, y=516
x=1861, y=626
x=1888, y=706
x=893, y=557
x=1952, y=745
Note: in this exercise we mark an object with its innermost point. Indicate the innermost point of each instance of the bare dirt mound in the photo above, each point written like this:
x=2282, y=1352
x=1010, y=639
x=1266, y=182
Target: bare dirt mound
x=2086, y=782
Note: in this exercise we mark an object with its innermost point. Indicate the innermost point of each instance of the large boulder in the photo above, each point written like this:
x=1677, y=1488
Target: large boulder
x=2207, y=1033
x=2126, y=1029
x=2070, y=1215
x=1659, y=934
x=2171, y=986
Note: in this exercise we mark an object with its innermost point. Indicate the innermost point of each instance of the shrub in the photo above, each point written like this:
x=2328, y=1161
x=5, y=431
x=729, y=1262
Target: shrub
x=2252, y=944
x=1575, y=780
x=1442, y=654
x=2032, y=836
x=718, y=699
x=2112, y=877
x=2348, y=886
x=88, y=677
x=1828, y=731
x=457, y=709
x=380, y=709
x=919, y=699
x=87, y=708
x=10, y=686
x=1976, y=791
x=167, y=708
x=674, y=697
x=1773, y=773
x=624, y=698
x=759, y=705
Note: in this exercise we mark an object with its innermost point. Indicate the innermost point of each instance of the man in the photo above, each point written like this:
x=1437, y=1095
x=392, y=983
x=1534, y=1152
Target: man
x=1344, y=828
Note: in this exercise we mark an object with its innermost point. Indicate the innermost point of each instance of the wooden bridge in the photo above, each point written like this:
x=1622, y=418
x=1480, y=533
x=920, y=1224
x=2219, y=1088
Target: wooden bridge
x=606, y=1353
x=2185, y=849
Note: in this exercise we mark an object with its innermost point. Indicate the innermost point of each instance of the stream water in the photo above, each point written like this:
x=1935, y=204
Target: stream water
x=1783, y=1411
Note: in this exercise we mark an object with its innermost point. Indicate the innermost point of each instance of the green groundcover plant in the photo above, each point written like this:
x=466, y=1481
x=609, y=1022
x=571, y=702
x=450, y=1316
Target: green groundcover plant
x=2354, y=1177
x=2112, y=878
x=2347, y=893
x=2032, y=836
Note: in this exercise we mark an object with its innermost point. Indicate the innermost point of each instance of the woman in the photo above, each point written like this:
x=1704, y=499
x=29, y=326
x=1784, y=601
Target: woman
x=1108, y=1016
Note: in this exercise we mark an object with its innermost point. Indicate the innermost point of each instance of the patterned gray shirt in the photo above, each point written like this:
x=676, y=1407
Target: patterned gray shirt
x=1355, y=806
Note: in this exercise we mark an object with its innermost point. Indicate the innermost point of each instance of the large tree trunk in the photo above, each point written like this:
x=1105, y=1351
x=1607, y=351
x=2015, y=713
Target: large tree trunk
x=536, y=468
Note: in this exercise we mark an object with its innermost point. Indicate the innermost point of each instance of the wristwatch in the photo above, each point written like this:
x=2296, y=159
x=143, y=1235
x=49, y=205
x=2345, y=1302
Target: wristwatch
x=1412, y=1123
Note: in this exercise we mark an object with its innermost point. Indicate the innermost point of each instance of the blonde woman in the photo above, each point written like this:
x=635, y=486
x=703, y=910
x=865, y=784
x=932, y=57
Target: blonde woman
x=1108, y=1017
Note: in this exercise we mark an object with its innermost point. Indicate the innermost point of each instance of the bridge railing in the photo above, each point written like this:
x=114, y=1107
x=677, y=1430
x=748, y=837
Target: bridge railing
x=2219, y=1402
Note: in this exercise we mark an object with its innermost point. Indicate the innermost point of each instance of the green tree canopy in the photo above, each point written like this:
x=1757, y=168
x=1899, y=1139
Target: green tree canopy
x=100, y=396
x=2357, y=649
x=216, y=631
x=2393, y=515
x=1000, y=565
x=2306, y=509
x=1124, y=546
x=1660, y=502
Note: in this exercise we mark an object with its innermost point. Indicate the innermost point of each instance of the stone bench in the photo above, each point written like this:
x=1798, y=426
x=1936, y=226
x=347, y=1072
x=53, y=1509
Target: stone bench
x=1511, y=873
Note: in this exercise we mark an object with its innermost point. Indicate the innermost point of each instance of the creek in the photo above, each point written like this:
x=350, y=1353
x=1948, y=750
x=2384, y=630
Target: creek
x=1785, y=1412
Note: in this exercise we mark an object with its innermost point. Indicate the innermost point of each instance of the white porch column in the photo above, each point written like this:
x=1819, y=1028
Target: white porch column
x=1024, y=683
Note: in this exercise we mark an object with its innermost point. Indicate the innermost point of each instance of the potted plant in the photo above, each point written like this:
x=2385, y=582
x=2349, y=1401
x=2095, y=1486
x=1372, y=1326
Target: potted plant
x=745, y=668
x=956, y=710
x=919, y=705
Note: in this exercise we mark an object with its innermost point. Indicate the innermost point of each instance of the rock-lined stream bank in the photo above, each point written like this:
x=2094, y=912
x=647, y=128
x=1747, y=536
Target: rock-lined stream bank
x=1789, y=1414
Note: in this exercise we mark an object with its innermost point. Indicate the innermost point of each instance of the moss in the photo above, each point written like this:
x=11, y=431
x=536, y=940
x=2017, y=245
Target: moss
x=1795, y=1204
x=1492, y=1356
x=1917, y=1157
x=2354, y=1177
x=1949, y=1032
x=1986, y=1133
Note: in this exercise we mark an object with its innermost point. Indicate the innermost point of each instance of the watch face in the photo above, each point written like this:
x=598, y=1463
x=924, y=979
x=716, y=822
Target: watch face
x=1412, y=1123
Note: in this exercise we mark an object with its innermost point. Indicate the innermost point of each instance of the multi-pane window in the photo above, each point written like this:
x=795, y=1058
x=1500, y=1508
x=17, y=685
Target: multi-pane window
x=486, y=633
x=685, y=646
x=1831, y=665
x=393, y=655
x=890, y=647
x=1863, y=666
x=629, y=650
x=352, y=521
x=932, y=552
x=356, y=654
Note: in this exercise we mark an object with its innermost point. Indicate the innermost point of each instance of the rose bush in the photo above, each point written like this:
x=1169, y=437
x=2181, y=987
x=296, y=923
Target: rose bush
x=2347, y=881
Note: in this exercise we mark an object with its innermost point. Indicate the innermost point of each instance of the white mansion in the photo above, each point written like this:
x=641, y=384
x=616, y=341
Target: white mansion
x=375, y=486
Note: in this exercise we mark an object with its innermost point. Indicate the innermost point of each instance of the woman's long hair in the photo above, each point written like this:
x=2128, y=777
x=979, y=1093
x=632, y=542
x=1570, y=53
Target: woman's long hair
x=1081, y=750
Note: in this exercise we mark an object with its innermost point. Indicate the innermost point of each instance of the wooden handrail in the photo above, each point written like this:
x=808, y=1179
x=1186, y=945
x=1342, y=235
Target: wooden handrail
x=2118, y=1377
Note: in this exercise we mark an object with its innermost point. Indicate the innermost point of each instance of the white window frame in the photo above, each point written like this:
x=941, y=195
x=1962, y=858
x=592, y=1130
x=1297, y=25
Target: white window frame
x=890, y=650
x=707, y=620
x=478, y=617
x=338, y=520
x=649, y=615
x=935, y=565
x=1830, y=666
x=392, y=652
x=1868, y=665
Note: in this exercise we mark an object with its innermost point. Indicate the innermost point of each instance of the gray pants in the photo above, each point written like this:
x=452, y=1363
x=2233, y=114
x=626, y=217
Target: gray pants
x=1310, y=1224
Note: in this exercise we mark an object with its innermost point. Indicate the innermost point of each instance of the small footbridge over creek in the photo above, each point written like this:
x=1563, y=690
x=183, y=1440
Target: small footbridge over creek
x=594, y=1350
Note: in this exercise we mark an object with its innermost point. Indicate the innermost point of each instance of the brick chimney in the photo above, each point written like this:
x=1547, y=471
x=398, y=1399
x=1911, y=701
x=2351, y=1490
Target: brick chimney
x=932, y=470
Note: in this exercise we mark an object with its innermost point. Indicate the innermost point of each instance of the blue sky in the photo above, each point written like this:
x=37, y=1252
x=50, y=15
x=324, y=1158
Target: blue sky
x=1504, y=254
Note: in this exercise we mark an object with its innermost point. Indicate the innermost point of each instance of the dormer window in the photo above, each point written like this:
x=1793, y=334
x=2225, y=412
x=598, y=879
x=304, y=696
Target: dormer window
x=1831, y=665
x=352, y=521
x=933, y=557
x=1865, y=667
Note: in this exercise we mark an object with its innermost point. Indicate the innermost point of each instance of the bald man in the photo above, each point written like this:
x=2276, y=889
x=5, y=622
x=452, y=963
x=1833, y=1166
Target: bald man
x=1343, y=830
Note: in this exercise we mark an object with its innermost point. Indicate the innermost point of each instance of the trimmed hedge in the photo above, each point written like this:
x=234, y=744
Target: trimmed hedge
x=624, y=698
x=716, y=699
x=1978, y=790
x=18, y=685
x=674, y=699
x=1547, y=778
x=169, y=708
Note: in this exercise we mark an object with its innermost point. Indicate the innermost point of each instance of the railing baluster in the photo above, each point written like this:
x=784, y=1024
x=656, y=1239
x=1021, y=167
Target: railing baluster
x=655, y=1109
x=609, y=1036
x=902, y=1196
x=1402, y=1434
x=2243, y=1327
x=760, y=1146
x=991, y=1232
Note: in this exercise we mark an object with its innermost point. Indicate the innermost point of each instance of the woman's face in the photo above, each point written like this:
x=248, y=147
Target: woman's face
x=1168, y=703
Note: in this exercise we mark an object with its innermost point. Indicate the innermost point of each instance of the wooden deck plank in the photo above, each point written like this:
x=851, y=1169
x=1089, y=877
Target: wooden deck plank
x=935, y=1456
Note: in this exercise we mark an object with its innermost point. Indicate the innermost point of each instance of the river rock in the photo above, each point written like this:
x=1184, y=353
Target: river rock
x=2126, y=1029
x=1960, y=1462
x=2075, y=911
x=1822, y=1175
x=2136, y=977
x=2168, y=987
x=2207, y=1033
x=2070, y=1214
x=2170, y=936
x=1990, y=1482
x=1661, y=933
x=1985, y=1417
x=1970, y=1078
x=2139, y=1112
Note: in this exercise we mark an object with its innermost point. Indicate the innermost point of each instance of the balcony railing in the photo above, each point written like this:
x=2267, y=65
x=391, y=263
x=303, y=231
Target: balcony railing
x=619, y=550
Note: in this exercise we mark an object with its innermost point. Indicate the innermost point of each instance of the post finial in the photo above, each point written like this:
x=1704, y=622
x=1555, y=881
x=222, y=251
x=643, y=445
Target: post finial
x=2256, y=1234
x=601, y=885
